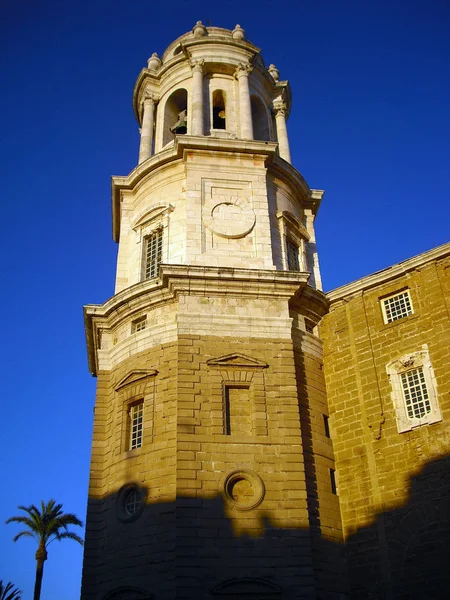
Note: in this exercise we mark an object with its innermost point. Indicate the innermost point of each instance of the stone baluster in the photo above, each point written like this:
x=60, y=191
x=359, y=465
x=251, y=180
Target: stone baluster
x=245, y=107
x=196, y=108
x=148, y=120
x=282, y=134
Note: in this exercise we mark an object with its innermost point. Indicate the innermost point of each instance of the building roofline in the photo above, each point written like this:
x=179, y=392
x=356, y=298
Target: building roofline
x=389, y=273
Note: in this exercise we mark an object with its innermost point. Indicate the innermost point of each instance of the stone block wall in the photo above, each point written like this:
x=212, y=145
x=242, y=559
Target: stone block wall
x=378, y=467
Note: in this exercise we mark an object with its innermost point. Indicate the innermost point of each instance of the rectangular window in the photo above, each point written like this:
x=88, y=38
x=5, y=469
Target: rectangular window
x=326, y=426
x=292, y=256
x=415, y=393
x=333, y=481
x=414, y=390
x=237, y=410
x=397, y=306
x=153, y=254
x=136, y=416
x=139, y=324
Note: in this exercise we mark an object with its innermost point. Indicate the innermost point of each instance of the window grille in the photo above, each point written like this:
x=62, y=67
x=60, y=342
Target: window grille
x=139, y=324
x=153, y=254
x=416, y=393
x=136, y=421
x=396, y=307
x=132, y=502
x=292, y=256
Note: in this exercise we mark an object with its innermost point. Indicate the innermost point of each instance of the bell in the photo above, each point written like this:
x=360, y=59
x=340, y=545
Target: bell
x=180, y=127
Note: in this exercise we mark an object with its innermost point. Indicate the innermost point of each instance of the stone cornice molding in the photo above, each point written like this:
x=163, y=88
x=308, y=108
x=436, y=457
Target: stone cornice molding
x=176, y=280
x=185, y=142
x=388, y=274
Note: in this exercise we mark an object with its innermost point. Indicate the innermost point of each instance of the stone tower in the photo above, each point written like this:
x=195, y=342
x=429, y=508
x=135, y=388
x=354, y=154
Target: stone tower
x=212, y=469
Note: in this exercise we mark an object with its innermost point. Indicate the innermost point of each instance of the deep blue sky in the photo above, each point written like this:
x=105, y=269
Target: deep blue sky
x=369, y=124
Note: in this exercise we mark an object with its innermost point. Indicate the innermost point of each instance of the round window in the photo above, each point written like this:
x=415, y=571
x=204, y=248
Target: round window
x=132, y=502
x=129, y=502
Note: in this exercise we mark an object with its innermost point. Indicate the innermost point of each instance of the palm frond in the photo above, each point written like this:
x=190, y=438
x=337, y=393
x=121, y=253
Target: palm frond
x=25, y=534
x=69, y=535
x=9, y=592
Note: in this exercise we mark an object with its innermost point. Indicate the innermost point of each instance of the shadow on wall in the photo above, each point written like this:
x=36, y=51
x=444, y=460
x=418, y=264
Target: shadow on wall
x=189, y=549
x=413, y=562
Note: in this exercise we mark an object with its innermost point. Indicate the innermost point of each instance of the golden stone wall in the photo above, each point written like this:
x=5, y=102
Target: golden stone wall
x=252, y=503
x=393, y=487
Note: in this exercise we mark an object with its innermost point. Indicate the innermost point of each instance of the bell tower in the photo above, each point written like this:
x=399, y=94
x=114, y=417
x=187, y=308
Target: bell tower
x=212, y=470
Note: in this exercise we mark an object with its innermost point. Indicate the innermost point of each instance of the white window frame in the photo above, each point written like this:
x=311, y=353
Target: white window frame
x=139, y=324
x=136, y=424
x=150, y=264
x=395, y=369
x=386, y=310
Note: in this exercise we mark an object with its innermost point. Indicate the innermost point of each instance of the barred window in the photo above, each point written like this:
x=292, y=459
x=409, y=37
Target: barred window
x=139, y=324
x=132, y=502
x=153, y=254
x=416, y=394
x=414, y=390
x=397, y=306
x=136, y=415
x=292, y=256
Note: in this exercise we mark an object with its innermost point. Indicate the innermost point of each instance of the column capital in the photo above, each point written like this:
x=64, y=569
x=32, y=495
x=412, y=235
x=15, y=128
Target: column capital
x=197, y=65
x=243, y=70
x=280, y=108
x=149, y=98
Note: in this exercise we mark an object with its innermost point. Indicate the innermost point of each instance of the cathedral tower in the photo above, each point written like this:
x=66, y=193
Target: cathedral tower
x=212, y=470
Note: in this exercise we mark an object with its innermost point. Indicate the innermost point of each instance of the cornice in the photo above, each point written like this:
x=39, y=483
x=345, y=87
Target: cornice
x=188, y=142
x=192, y=280
x=388, y=274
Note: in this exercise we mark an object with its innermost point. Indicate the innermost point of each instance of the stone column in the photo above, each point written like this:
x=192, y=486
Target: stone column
x=148, y=119
x=196, y=108
x=282, y=134
x=245, y=107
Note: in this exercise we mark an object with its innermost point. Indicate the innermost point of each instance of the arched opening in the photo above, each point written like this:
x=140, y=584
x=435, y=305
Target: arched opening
x=175, y=115
x=218, y=109
x=260, y=120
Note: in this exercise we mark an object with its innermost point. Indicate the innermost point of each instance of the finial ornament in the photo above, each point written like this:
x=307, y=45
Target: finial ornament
x=274, y=72
x=199, y=30
x=238, y=33
x=154, y=62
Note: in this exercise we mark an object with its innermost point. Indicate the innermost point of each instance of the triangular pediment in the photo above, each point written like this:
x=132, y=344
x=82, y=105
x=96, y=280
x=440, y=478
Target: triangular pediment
x=135, y=377
x=237, y=360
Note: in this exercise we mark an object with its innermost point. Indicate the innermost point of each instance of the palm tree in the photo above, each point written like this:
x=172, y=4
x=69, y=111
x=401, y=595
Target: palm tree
x=9, y=592
x=45, y=526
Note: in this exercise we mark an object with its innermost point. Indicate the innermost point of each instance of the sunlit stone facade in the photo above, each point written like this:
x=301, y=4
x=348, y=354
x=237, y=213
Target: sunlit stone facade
x=212, y=471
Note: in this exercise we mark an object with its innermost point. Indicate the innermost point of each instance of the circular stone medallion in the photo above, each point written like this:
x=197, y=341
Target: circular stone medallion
x=230, y=219
x=243, y=489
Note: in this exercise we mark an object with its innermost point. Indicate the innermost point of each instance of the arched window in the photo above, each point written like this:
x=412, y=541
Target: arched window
x=175, y=115
x=219, y=115
x=247, y=588
x=260, y=120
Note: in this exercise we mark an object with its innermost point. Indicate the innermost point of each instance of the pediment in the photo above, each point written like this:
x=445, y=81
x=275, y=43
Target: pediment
x=154, y=213
x=237, y=360
x=136, y=376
